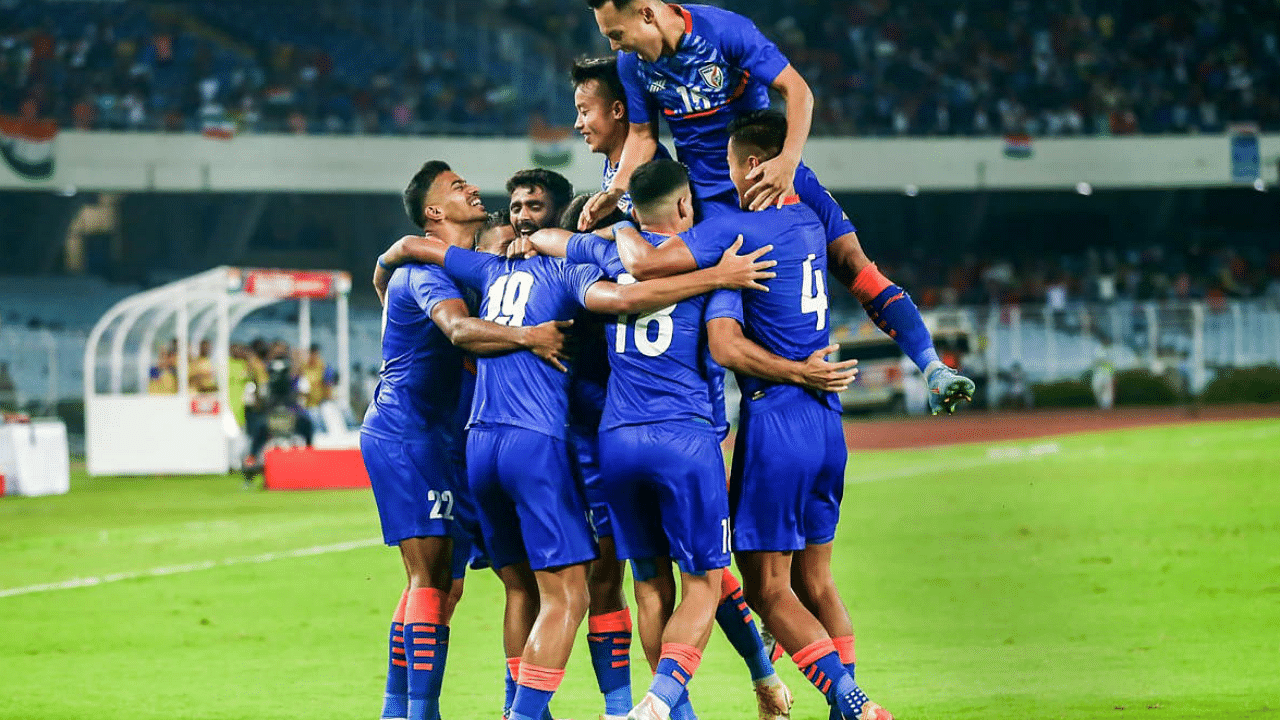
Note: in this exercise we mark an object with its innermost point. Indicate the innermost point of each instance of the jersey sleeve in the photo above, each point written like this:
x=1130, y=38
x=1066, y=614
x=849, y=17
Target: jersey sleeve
x=724, y=304
x=591, y=249
x=580, y=277
x=431, y=286
x=812, y=193
x=708, y=240
x=470, y=267
x=746, y=47
x=637, y=93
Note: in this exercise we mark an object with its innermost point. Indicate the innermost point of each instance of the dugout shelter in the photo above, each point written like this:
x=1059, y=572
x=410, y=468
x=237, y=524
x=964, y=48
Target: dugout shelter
x=130, y=431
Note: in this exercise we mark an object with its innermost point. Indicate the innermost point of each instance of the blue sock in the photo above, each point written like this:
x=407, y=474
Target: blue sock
x=670, y=682
x=426, y=645
x=683, y=710
x=828, y=674
x=510, y=690
x=395, y=699
x=894, y=312
x=531, y=704
x=734, y=618
x=609, y=640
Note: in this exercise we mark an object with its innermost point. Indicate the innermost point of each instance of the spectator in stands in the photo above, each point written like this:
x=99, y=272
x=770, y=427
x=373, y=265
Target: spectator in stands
x=201, y=375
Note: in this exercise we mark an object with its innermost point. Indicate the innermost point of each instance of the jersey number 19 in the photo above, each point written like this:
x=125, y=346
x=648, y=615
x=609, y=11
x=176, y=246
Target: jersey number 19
x=508, y=296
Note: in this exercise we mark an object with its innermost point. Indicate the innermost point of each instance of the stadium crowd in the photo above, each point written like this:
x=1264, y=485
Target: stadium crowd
x=981, y=67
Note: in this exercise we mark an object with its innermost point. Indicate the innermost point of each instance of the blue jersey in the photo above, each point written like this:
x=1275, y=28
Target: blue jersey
x=791, y=320
x=611, y=171
x=518, y=388
x=661, y=368
x=721, y=69
x=418, y=385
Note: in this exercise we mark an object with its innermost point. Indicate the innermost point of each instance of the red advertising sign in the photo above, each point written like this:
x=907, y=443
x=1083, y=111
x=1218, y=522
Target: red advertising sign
x=289, y=284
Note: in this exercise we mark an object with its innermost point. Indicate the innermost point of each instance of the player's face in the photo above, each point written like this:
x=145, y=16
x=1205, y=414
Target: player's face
x=600, y=118
x=496, y=239
x=531, y=210
x=452, y=199
x=634, y=29
x=739, y=166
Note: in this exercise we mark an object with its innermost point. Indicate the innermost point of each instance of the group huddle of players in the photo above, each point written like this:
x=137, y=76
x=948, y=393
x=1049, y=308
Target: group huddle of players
x=551, y=401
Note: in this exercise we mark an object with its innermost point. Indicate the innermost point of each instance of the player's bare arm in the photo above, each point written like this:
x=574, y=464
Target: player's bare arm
x=777, y=175
x=646, y=262
x=551, y=242
x=639, y=148
x=484, y=338
x=734, y=271
x=737, y=352
x=410, y=248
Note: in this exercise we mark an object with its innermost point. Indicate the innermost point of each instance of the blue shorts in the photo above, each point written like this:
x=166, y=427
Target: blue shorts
x=584, y=448
x=413, y=485
x=811, y=193
x=788, y=473
x=529, y=506
x=665, y=487
x=468, y=539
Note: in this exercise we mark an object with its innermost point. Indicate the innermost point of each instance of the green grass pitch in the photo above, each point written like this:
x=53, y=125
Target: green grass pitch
x=1127, y=574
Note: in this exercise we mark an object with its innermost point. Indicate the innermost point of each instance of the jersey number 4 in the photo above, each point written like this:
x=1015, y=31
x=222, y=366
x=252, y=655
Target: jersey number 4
x=508, y=297
x=659, y=321
x=813, y=293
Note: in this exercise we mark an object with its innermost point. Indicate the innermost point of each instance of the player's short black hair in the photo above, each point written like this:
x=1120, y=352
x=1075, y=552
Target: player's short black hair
x=597, y=4
x=655, y=180
x=497, y=218
x=569, y=218
x=603, y=70
x=556, y=185
x=415, y=194
x=762, y=130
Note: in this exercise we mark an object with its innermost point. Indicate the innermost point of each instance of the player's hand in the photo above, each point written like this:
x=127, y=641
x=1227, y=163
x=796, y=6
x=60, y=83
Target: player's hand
x=776, y=182
x=744, y=272
x=823, y=376
x=546, y=340
x=522, y=247
x=598, y=207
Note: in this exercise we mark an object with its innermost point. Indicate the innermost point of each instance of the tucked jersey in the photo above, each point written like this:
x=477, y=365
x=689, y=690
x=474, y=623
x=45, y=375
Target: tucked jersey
x=791, y=320
x=611, y=171
x=418, y=385
x=721, y=69
x=518, y=388
x=661, y=368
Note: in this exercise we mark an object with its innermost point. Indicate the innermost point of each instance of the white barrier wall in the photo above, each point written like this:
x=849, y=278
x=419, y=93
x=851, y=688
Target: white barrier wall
x=288, y=163
x=152, y=434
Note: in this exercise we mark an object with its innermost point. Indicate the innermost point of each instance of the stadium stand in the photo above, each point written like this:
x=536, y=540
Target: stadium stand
x=983, y=67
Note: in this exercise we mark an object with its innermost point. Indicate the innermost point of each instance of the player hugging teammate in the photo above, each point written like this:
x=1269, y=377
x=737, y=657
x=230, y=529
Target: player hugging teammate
x=565, y=470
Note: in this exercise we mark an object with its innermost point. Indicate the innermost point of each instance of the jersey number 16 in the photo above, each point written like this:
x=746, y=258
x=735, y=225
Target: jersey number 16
x=661, y=318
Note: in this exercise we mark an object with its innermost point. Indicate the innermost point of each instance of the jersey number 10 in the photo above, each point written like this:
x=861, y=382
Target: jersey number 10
x=661, y=318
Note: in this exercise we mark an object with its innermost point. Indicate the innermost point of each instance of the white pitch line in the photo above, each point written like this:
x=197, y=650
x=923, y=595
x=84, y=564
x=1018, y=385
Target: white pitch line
x=999, y=455
x=189, y=567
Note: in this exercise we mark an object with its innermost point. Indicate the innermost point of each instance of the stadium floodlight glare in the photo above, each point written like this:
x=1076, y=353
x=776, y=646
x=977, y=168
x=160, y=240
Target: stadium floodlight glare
x=67, y=191
x=1084, y=188
x=911, y=191
x=1260, y=185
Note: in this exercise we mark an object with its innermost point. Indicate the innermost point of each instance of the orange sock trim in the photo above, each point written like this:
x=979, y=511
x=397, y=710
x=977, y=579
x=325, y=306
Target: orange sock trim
x=729, y=585
x=844, y=646
x=687, y=657
x=615, y=622
x=540, y=678
x=810, y=654
x=399, y=616
x=513, y=667
x=425, y=605
x=869, y=283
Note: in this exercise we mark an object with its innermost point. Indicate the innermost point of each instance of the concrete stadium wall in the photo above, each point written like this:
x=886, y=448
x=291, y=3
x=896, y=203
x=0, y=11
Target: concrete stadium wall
x=284, y=163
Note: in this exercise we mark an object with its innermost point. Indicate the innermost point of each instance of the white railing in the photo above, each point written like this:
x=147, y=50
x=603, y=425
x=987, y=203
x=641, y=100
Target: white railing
x=1190, y=339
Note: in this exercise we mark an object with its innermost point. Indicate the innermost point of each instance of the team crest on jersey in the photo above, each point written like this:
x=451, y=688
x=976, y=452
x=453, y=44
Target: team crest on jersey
x=713, y=75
